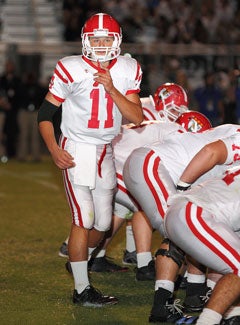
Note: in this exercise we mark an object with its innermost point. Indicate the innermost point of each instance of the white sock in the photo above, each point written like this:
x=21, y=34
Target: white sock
x=130, y=243
x=209, y=317
x=232, y=311
x=66, y=240
x=101, y=253
x=165, y=284
x=196, y=278
x=90, y=251
x=185, y=274
x=143, y=259
x=80, y=275
x=211, y=284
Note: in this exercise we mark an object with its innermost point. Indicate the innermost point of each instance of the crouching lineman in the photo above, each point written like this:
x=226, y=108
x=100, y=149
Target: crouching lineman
x=209, y=216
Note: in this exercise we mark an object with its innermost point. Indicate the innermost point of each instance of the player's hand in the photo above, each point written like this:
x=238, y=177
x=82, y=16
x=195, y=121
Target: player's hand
x=62, y=158
x=103, y=77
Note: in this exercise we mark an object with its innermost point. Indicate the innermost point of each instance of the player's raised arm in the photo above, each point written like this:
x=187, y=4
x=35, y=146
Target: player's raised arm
x=212, y=154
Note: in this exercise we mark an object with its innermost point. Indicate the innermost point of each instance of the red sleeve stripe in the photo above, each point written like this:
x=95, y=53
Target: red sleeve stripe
x=65, y=71
x=58, y=98
x=138, y=75
x=147, y=111
x=60, y=76
x=133, y=91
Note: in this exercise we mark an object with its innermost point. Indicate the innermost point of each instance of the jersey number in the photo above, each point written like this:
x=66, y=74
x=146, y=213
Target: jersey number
x=94, y=122
x=229, y=178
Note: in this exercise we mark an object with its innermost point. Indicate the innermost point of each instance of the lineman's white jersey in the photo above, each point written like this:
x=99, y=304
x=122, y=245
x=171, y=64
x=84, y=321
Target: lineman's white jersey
x=208, y=215
x=221, y=195
x=177, y=151
x=132, y=137
x=88, y=113
x=129, y=139
x=152, y=172
x=149, y=111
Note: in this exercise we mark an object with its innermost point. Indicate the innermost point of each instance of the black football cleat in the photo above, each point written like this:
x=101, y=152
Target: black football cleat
x=92, y=297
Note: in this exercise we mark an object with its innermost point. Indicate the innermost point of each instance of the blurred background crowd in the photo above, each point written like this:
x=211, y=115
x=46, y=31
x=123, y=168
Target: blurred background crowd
x=171, y=21
x=212, y=80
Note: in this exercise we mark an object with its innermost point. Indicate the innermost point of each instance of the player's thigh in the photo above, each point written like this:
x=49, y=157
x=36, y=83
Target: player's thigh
x=81, y=205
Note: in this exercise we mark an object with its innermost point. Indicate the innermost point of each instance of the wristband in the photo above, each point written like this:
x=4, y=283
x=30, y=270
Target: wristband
x=183, y=186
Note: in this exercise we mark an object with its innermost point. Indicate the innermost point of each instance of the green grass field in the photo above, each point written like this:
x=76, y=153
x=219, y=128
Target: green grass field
x=35, y=288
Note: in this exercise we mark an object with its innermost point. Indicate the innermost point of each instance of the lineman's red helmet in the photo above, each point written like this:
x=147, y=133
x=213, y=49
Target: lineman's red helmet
x=170, y=101
x=194, y=121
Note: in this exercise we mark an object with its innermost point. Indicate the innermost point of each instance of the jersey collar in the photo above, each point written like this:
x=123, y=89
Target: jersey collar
x=94, y=66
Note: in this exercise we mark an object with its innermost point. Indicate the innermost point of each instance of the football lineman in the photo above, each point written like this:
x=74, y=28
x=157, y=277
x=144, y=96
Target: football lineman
x=208, y=215
x=151, y=175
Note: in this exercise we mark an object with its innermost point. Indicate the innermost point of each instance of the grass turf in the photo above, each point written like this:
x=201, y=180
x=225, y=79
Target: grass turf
x=35, y=288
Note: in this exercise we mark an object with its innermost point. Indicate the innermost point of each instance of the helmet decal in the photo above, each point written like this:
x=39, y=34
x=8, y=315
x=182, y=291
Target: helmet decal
x=193, y=121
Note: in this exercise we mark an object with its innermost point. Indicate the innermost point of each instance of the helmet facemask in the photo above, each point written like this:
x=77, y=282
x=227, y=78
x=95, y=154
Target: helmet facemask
x=110, y=52
x=170, y=111
x=101, y=25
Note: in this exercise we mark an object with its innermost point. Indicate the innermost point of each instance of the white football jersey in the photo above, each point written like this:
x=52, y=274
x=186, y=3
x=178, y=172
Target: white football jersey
x=222, y=193
x=88, y=113
x=177, y=151
x=132, y=137
x=149, y=110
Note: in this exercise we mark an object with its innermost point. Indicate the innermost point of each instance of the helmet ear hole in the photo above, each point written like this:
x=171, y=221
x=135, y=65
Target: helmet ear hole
x=170, y=101
x=101, y=25
x=193, y=121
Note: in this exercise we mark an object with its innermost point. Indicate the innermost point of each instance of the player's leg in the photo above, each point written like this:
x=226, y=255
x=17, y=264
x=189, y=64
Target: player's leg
x=225, y=294
x=142, y=231
x=197, y=290
x=99, y=262
x=169, y=259
x=91, y=209
x=129, y=254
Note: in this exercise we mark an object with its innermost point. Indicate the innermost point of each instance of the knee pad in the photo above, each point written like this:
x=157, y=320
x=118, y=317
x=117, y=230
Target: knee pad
x=174, y=252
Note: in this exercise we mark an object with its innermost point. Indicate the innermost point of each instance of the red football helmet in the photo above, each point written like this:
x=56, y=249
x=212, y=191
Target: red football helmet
x=193, y=121
x=170, y=101
x=101, y=25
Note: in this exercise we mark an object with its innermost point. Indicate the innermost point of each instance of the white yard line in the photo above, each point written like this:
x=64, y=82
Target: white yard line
x=33, y=178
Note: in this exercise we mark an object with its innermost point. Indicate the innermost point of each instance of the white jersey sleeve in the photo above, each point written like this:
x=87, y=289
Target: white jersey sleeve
x=134, y=137
x=149, y=110
x=233, y=148
x=88, y=112
x=177, y=151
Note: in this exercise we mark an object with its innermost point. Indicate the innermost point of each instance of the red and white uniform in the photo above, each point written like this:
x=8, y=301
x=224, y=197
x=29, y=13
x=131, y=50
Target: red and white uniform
x=151, y=173
x=90, y=120
x=209, y=217
x=149, y=110
x=131, y=138
x=84, y=119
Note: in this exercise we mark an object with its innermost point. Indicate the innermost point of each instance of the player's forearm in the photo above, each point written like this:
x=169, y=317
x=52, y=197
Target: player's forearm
x=47, y=132
x=209, y=156
x=132, y=111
